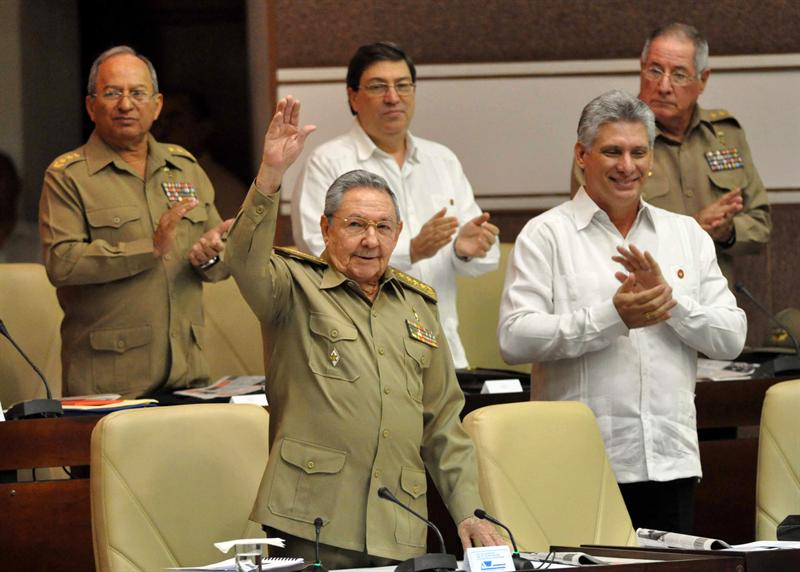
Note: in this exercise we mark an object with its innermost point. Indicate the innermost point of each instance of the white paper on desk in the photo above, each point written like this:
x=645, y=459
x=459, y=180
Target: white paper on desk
x=764, y=545
x=226, y=546
x=229, y=565
x=227, y=386
x=251, y=399
x=720, y=370
x=2, y=416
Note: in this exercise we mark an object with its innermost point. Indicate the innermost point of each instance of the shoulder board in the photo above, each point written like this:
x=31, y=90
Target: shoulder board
x=714, y=115
x=180, y=151
x=294, y=253
x=416, y=285
x=66, y=159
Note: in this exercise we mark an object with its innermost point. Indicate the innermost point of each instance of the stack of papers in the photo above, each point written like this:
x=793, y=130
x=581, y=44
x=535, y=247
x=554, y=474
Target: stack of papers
x=91, y=406
x=271, y=564
x=717, y=370
x=227, y=386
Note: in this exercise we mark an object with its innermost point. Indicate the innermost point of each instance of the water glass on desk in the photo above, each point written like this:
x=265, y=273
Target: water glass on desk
x=249, y=557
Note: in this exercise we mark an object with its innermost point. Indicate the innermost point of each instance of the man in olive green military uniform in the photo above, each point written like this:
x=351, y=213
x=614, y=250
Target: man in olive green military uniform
x=129, y=231
x=702, y=164
x=360, y=381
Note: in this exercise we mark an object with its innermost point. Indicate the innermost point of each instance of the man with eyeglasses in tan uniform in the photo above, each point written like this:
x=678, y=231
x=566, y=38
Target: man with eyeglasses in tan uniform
x=445, y=231
x=702, y=165
x=130, y=232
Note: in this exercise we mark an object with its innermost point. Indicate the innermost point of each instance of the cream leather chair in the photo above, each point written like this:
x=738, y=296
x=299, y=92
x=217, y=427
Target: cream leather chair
x=544, y=473
x=232, y=338
x=478, y=314
x=30, y=311
x=778, y=477
x=168, y=482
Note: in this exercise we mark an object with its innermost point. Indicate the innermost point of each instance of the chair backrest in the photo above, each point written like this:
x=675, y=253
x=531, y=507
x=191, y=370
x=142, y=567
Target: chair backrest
x=544, y=473
x=778, y=477
x=232, y=333
x=168, y=482
x=30, y=311
x=478, y=314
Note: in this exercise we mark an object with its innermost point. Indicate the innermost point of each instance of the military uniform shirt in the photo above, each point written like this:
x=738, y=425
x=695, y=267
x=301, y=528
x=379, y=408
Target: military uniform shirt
x=133, y=324
x=356, y=401
x=683, y=181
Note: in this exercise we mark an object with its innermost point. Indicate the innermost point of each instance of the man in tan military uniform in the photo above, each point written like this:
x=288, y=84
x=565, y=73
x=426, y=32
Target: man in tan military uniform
x=130, y=232
x=361, y=384
x=702, y=164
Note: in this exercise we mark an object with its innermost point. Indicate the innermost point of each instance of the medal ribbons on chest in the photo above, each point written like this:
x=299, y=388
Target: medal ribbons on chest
x=422, y=334
x=724, y=159
x=177, y=191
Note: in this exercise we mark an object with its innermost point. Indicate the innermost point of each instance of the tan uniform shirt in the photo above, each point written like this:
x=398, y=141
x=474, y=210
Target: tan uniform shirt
x=133, y=324
x=357, y=403
x=683, y=181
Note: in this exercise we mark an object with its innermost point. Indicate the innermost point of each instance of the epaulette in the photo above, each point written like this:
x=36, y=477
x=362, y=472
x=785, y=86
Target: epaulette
x=180, y=151
x=294, y=253
x=416, y=285
x=66, y=159
x=714, y=115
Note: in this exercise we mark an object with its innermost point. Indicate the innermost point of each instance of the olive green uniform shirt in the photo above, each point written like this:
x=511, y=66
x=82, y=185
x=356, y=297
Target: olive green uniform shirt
x=682, y=181
x=133, y=324
x=357, y=403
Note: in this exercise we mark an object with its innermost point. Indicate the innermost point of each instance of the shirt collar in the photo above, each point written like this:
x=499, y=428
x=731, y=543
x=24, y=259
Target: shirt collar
x=100, y=154
x=366, y=148
x=332, y=278
x=585, y=209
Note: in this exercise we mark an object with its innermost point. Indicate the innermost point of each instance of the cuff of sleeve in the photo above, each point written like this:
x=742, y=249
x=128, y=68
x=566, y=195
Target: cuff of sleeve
x=463, y=504
x=731, y=239
x=139, y=255
x=608, y=320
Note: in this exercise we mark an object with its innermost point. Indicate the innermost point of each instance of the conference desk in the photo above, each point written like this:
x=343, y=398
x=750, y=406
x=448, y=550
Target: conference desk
x=51, y=519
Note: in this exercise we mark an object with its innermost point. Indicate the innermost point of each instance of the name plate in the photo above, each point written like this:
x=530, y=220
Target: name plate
x=501, y=386
x=488, y=559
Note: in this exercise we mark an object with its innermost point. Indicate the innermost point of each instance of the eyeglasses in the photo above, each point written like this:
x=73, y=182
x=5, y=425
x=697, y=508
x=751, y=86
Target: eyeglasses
x=113, y=95
x=402, y=88
x=357, y=226
x=677, y=78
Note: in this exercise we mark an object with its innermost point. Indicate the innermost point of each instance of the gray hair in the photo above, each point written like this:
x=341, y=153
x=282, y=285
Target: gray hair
x=91, y=85
x=614, y=107
x=684, y=32
x=354, y=180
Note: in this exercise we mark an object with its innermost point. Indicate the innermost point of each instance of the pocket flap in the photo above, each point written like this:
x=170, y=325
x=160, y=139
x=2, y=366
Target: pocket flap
x=729, y=179
x=413, y=481
x=312, y=458
x=418, y=351
x=120, y=340
x=197, y=214
x=331, y=328
x=113, y=217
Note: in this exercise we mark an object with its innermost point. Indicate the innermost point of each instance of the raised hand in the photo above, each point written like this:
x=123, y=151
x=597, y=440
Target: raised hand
x=717, y=218
x=644, y=268
x=476, y=237
x=283, y=143
x=434, y=234
x=639, y=308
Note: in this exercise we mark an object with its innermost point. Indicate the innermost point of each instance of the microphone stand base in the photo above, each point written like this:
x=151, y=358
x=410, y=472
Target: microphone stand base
x=784, y=364
x=428, y=562
x=35, y=408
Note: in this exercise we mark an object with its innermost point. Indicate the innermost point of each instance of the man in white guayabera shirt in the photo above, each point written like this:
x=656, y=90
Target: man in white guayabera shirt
x=445, y=232
x=614, y=298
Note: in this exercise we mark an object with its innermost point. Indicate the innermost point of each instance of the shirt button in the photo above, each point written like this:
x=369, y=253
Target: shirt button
x=387, y=390
x=310, y=464
x=415, y=488
x=377, y=474
x=116, y=220
x=259, y=210
x=385, y=432
x=120, y=343
x=689, y=193
x=380, y=350
x=374, y=314
x=422, y=360
x=167, y=257
x=334, y=333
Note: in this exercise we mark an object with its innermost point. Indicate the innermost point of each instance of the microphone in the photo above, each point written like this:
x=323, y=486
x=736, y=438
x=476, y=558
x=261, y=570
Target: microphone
x=317, y=564
x=520, y=563
x=781, y=364
x=432, y=562
x=35, y=407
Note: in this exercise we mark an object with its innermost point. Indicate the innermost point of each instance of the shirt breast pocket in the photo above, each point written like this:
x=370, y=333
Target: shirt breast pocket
x=724, y=181
x=682, y=280
x=116, y=224
x=194, y=226
x=333, y=350
x=417, y=360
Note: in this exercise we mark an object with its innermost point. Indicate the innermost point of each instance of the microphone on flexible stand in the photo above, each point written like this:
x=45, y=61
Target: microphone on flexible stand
x=520, y=563
x=318, y=566
x=781, y=364
x=426, y=562
x=48, y=407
